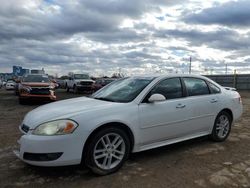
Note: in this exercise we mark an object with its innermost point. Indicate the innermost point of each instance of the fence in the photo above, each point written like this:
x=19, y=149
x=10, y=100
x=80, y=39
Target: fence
x=238, y=81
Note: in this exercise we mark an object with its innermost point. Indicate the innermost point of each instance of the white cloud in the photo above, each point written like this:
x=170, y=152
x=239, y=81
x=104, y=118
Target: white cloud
x=137, y=37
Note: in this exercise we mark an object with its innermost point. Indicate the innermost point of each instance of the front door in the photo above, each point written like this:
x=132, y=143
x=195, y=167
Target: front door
x=164, y=120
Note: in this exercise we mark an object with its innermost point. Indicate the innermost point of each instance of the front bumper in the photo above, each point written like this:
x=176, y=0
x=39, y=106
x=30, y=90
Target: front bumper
x=84, y=87
x=67, y=149
x=30, y=96
x=10, y=87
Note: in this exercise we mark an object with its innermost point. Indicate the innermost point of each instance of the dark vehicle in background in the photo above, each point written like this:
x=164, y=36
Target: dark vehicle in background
x=101, y=83
x=61, y=83
x=16, y=90
x=36, y=86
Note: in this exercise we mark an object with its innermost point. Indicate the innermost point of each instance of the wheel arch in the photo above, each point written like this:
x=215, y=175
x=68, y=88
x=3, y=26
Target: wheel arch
x=120, y=125
x=228, y=111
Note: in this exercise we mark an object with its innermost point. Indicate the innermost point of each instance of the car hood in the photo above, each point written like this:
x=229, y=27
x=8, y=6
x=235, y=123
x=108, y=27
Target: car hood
x=36, y=84
x=84, y=80
x=63, y=109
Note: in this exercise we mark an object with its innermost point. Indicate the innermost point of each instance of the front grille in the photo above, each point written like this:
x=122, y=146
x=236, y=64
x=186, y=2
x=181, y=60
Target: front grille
x=84, y=83
x=25, y=128
x=40, y=91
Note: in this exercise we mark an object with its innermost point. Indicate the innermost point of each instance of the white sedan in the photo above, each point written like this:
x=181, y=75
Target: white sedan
x=10, y=85
x=129, y=115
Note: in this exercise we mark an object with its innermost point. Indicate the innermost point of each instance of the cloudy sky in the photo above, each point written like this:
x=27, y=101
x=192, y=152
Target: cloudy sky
x=134, y=36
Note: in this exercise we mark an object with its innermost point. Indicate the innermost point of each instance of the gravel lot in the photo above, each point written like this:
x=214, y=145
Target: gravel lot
x=195, y=163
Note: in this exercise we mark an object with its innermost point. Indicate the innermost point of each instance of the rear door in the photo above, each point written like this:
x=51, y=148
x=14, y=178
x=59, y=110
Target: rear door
x=204, y=103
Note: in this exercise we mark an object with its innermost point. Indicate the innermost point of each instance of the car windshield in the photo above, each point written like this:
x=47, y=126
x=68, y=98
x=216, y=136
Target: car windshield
x=36, y=78
x=81, y=76
x=123, y=90
x=108, y=81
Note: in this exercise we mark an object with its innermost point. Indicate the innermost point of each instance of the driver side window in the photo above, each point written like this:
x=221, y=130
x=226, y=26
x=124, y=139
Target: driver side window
x=170, y=88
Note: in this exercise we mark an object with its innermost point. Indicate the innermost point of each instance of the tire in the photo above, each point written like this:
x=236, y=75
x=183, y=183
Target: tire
x=75, y=89
x=67, y=89
x=222, y=127
x=113, y=156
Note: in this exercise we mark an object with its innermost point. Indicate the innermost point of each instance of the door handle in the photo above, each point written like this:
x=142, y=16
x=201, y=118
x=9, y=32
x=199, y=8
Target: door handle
x=181, y=106
x=213, y=100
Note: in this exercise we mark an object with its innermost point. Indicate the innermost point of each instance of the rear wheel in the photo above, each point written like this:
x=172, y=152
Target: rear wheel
x=75, y=89
x=107, y=151
x=222, y=127
x=67, y=88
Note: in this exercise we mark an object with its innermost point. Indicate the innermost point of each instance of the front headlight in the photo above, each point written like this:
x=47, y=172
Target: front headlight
x=26, y=88
x=58, y=127
x=51, y=87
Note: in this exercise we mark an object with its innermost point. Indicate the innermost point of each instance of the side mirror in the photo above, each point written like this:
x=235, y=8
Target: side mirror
x=156, y=98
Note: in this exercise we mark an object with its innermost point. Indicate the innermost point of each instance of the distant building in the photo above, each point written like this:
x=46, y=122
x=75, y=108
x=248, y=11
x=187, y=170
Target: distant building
x=6, y=76
x=19, y=71
x=37, y=71
x=26, y=71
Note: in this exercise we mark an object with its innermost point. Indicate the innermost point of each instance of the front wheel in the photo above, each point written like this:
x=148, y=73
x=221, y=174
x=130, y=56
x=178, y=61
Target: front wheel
x=222, y=127
x=107, y=151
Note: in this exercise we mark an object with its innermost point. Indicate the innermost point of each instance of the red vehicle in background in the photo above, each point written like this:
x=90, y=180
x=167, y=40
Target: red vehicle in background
x=36, y=86
x=101, y=83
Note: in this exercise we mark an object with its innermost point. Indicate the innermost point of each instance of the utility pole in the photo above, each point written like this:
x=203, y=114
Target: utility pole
x=226, y=68
x=190, y=65
x=235, y=78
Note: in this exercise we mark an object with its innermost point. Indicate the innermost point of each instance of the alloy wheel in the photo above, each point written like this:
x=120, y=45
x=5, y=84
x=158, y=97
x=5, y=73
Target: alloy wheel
x=222, y=126
x=109, y=151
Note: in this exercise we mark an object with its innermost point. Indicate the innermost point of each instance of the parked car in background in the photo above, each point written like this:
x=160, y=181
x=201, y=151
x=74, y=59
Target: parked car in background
x=16, y=90
x=79, y=82
x=61, y=83
x=1, y=83
x=36, y=86
x=4, y=82
x=10, y=85
x=101, y=83
x=17, y=86
x=129, y=115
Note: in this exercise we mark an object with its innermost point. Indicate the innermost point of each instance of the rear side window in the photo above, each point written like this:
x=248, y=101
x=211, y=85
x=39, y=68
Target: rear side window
x=213, y=88
x=170, y=88
x=196, y=86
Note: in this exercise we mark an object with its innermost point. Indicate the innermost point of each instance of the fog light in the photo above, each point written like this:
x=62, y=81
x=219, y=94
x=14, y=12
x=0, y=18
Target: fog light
x=41, y=156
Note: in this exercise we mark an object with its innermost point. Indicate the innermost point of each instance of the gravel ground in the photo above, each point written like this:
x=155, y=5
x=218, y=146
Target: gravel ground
x=195, y=163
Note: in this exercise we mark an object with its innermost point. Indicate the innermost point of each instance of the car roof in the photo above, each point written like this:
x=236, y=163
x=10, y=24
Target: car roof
x=161, y=76
x=36, y=75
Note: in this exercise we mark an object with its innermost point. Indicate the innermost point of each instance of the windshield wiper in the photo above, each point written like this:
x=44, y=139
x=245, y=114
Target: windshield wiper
x=104, y=99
